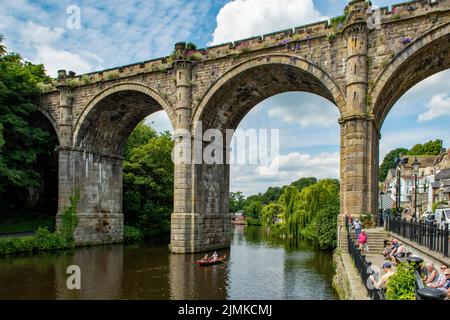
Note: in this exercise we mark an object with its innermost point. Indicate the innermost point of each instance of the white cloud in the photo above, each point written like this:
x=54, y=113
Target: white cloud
x=38, y=34
x=119, y=33
x=245, y=18
x=293, y=166
x=306, y=115
x=159, y=121
x=438, y=106
x=44, y=41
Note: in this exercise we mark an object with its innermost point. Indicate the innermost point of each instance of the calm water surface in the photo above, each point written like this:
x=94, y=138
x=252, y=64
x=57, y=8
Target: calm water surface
x=257, y=268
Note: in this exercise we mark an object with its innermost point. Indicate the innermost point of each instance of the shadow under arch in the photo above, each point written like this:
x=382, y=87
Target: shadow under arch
x=231, y=97
x=47, y=114
x=424, y=57
x=110, y=117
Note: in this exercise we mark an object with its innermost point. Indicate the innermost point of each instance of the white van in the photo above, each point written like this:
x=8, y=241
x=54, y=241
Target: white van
x=442, y=216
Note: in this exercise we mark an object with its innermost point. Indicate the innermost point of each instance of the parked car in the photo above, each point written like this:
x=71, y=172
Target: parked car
x=406, y=213
x=426, y=214
x=429, y=218
x=442, y=216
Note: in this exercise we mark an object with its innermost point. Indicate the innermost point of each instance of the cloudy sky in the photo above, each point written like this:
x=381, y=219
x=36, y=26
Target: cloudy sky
x=116, y=32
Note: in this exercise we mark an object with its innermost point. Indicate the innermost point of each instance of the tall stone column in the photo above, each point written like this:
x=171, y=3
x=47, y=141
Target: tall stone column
x=200, y=221
x=184, y=223
x=359, y=134
x=359, y=166
x=65, y=170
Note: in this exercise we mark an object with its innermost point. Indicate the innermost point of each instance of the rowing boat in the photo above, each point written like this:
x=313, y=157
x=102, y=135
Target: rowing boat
x=210, y=262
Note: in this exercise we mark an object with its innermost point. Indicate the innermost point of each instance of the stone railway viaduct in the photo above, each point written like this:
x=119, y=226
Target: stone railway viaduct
x=362, y=68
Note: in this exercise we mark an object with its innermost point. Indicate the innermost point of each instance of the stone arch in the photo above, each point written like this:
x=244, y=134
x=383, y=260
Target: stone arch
x=49, y=116
x=232, y=96
x=110, y=117
x=265, y=76
x=427, y=55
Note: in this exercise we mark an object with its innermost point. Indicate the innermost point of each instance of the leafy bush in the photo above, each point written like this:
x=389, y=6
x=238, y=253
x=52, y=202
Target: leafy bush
x=402, y=285
x=44, y=240
x=326, y=226
x=69, y=216
x=132, y=234
x=367, y=220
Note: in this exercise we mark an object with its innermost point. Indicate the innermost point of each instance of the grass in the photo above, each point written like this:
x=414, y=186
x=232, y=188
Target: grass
x=30, y=224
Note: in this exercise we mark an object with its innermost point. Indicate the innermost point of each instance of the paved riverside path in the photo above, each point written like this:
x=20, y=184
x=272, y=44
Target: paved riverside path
x=375, y=240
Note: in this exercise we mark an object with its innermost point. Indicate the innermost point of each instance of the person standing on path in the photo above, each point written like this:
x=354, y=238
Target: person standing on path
x=357, y=226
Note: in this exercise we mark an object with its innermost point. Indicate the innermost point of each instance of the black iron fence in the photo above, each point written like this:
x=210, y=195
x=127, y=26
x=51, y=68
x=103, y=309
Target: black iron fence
x=363, y=267
x=431, y=235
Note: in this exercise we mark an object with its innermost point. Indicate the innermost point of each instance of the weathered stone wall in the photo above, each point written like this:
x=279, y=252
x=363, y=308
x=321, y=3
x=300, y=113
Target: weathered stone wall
x=341, y=283
x=98, y=179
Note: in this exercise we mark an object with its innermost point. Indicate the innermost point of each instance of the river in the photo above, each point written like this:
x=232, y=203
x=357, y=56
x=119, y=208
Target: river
x=257, y=268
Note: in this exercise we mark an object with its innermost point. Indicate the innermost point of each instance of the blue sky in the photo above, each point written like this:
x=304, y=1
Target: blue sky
x=117, y=32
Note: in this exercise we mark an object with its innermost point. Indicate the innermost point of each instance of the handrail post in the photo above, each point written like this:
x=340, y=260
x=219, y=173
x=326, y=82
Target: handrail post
x=420, y=232
x=446, y=240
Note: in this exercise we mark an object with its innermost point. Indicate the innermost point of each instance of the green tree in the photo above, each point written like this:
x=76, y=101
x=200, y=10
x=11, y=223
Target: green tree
x=141, y=135
x=2, y=46
x=236, y=201
x=270, y=213
x=253, y=206
x=272, y=194
x=389, y=162
x=26, y=145
x=325, y=225
x=430, y=148
x=303, y=183
x=148, y=183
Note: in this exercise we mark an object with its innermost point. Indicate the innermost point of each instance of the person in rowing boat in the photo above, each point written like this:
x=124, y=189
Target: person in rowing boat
x=206, y=258
x=214, y=256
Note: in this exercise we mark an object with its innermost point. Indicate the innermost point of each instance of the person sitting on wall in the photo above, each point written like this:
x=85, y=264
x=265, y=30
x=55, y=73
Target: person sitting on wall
x=399, y=253
x=432, y=274
x=446, y=286
x=387, y=242
x=381, y=284
x=391, y=250
x=440, y=281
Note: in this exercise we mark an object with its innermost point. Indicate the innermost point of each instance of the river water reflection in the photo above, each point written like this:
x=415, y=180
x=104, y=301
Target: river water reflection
x=257, y=268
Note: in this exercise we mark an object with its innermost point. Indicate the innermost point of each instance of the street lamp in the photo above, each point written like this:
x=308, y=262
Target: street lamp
x=398, y=163
x=416, y=166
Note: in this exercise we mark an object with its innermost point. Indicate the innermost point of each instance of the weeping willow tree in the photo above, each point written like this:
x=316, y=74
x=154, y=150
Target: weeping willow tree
x=316, y=197
x=291, y=213
x=272, y=213
x=299, y=210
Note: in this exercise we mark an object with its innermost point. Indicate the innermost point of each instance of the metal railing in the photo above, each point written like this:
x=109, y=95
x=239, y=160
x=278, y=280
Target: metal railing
x=431, y=235
x=363, y=267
